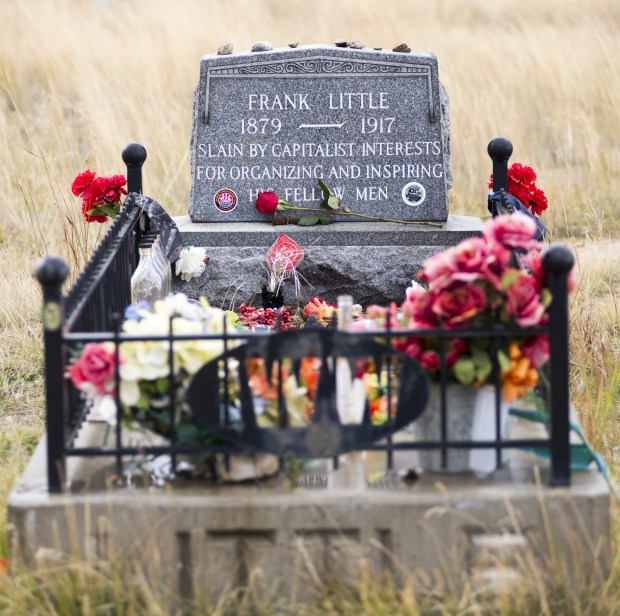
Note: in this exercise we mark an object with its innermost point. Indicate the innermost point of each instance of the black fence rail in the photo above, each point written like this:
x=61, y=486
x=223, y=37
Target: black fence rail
x=93, y=308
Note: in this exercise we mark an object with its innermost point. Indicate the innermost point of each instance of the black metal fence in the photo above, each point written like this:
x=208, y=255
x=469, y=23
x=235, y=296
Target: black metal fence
x=92, y=312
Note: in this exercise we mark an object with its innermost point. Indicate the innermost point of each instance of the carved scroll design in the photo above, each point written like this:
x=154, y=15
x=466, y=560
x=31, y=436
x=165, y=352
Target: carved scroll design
x=319, y=66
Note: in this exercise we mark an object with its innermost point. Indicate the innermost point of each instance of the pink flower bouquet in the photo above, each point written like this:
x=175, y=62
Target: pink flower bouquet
x=475, y=285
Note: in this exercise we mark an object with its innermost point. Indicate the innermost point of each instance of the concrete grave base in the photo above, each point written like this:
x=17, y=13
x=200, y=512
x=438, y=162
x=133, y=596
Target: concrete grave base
x=204, y=541
x=372, y=261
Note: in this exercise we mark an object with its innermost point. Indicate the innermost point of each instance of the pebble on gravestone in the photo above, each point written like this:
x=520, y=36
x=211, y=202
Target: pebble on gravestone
x=262, y=46
x=356, y=45
x=293, y=45
x=225, y=50
x=402, y=48
x=341, y=43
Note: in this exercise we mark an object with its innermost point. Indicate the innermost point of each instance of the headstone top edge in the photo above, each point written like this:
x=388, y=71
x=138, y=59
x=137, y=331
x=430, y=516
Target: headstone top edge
x=282, y=52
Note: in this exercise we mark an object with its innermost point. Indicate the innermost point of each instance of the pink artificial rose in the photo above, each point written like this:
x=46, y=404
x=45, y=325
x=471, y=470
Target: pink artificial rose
x=413, y=348
x=533, y=262
x=514, y=231
x=536, y=349
x=418, y=309
x=460, y=304
x=96, y=366
x=523, y=301
x=470, y=260
x=438, y=267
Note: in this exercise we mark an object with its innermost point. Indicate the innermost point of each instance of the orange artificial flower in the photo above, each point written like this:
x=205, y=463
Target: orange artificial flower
x=521, y=376
x=309, y=373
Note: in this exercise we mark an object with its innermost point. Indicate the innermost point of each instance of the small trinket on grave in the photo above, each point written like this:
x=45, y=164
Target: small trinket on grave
x=262, y=46
x=293, y=45
x=356, y=45
x=402, y=48
x=340, y=43
x=225, y=50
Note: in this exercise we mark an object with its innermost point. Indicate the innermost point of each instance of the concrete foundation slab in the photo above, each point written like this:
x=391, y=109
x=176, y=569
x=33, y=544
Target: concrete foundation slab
x=205, y=540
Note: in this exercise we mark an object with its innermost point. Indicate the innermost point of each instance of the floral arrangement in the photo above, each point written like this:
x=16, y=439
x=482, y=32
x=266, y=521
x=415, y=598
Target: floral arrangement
x=473, y=284
x=101, y=196
x=522, y=185
x=329, y=206
x=143, y=365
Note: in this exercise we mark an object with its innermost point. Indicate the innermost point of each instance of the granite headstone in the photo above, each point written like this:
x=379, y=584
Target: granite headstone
x=372, y=124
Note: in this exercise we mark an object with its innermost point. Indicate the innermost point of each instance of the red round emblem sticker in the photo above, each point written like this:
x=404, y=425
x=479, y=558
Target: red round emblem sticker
x=225, y=200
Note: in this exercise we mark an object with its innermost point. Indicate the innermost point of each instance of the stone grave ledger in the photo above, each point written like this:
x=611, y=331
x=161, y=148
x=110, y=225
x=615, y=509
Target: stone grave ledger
x=372, y=124
x=373, y=262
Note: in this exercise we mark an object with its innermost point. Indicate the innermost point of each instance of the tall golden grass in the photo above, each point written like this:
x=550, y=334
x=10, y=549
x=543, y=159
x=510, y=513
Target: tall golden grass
x=80, y=78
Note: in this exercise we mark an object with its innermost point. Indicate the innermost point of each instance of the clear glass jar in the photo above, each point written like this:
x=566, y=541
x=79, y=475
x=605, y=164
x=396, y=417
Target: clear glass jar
x=147, y=282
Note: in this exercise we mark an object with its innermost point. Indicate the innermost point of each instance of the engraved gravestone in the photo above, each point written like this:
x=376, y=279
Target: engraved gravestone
x=372, y=124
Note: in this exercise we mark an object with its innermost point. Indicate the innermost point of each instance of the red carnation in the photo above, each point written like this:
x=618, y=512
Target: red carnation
x=522, y=185
x=86, y=207
x=82, y=182
x=267, y=202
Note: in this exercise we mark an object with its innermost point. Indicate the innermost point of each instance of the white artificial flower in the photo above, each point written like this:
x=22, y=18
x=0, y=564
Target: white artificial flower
x=191, y=262
x=180, y=304
x=103, y=409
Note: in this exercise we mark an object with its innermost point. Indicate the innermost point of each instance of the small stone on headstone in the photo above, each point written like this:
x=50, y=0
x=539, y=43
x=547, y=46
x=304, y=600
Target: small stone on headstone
x=356, y=45
x=225, y=50
x=262, y=46
x=402, y=48
x=293, y=45
x=340, y=43
x=377, y=48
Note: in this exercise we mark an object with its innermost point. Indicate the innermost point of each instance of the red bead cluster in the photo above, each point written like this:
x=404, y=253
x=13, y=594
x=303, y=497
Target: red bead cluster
x=250, y=316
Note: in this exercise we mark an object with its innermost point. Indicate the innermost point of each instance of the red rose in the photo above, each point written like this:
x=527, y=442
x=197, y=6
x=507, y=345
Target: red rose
x=459, y=305
x=81, y=182
x=267, y=202
x=96, y=367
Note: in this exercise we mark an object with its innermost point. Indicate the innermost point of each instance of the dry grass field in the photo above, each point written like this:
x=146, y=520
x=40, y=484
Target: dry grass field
x=79, y=79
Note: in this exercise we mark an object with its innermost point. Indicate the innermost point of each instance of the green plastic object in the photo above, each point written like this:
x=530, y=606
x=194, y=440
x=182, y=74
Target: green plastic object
x=581, y=454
